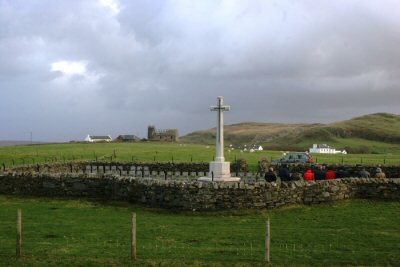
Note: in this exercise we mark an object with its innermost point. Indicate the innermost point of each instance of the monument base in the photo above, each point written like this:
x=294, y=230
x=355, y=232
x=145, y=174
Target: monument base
x=219, y=172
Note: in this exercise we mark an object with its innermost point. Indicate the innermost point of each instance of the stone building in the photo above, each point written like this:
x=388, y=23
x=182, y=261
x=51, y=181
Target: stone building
x=170, y=135
x=127, y=138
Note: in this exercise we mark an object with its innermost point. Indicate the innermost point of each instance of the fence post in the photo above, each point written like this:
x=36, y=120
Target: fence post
x=212, y=176
x=19, y=234
x=133, y=237
x=267, y=243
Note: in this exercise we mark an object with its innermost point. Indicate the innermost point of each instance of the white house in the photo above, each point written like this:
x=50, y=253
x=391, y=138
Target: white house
x=98, y=138
x=325, y=149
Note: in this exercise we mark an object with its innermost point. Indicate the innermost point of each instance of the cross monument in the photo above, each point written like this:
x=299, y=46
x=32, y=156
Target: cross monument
x=220, y=170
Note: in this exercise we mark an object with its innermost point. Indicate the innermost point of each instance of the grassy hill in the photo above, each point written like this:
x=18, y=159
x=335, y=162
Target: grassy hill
x=375, y=133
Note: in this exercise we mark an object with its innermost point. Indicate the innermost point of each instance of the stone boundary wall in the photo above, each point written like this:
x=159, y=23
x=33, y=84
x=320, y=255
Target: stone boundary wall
x=196, y=195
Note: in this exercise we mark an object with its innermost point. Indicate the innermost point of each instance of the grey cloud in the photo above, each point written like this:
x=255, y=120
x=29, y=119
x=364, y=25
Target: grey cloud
x=164, y=63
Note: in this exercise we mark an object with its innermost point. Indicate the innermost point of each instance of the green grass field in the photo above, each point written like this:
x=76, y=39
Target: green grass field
x=89, y=233
x=150, y=151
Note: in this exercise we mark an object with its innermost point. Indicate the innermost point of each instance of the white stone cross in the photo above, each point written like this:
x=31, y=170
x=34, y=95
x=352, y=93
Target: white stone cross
x=220, y=170
x=219, y=146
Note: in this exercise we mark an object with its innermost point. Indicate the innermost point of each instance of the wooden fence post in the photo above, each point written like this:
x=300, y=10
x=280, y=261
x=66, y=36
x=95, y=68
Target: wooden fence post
x=19, y=234
x=133, y=237
x=267, y=243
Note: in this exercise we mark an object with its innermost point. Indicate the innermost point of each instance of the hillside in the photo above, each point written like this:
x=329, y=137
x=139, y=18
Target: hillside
x=17, y=143
x=375, y=133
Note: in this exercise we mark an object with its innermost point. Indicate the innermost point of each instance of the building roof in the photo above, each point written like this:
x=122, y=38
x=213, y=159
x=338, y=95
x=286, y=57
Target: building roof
x=127, y=137
x=323, y=146
x=98, y=137
x=166, y=131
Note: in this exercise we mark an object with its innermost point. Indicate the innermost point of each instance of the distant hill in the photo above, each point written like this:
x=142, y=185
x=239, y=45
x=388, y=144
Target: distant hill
x=17, y=143
x=374, y=133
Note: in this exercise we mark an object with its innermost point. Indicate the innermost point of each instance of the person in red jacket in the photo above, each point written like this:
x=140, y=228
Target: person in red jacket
x=330, y=174
x=309, y=175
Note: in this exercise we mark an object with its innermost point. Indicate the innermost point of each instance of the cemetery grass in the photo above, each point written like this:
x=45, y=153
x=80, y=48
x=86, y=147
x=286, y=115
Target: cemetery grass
x=163, y=152
x=64, y=232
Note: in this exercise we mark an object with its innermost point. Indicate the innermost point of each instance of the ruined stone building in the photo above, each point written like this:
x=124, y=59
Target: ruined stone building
x=154, y=134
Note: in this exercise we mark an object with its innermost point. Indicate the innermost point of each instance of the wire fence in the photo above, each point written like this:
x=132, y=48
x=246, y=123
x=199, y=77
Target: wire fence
x=239, y=240
x=15, y=160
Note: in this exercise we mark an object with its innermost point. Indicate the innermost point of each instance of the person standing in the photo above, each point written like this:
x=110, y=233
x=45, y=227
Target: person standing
x=284, y=173
x=330, y=174
x=270, y=175
x=319, y=172
x=380, y=174
x=364, y=174
x=342, y=173
x=309, y=175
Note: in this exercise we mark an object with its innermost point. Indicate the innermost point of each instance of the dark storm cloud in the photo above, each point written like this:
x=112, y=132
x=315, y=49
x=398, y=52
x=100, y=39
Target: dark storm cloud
x=69, y=68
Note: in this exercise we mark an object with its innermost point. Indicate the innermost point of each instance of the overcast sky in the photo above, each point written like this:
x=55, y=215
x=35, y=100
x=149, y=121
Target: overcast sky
x=71, y=68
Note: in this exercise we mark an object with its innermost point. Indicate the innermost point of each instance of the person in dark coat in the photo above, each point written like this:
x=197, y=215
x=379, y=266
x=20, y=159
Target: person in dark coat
x=342, y=173
x=364, y=174
x=284, y=173
x=270, y=175
x=319, y=172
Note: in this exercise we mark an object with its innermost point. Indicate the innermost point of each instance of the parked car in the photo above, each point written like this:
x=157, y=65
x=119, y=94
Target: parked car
x=299, y=157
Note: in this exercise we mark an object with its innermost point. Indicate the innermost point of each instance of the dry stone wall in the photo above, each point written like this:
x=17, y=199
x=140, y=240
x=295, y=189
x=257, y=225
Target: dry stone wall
x=195, y=195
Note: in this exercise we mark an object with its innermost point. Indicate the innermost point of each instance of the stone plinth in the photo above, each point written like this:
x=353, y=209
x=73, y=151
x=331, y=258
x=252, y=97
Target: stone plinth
x=219, y=172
